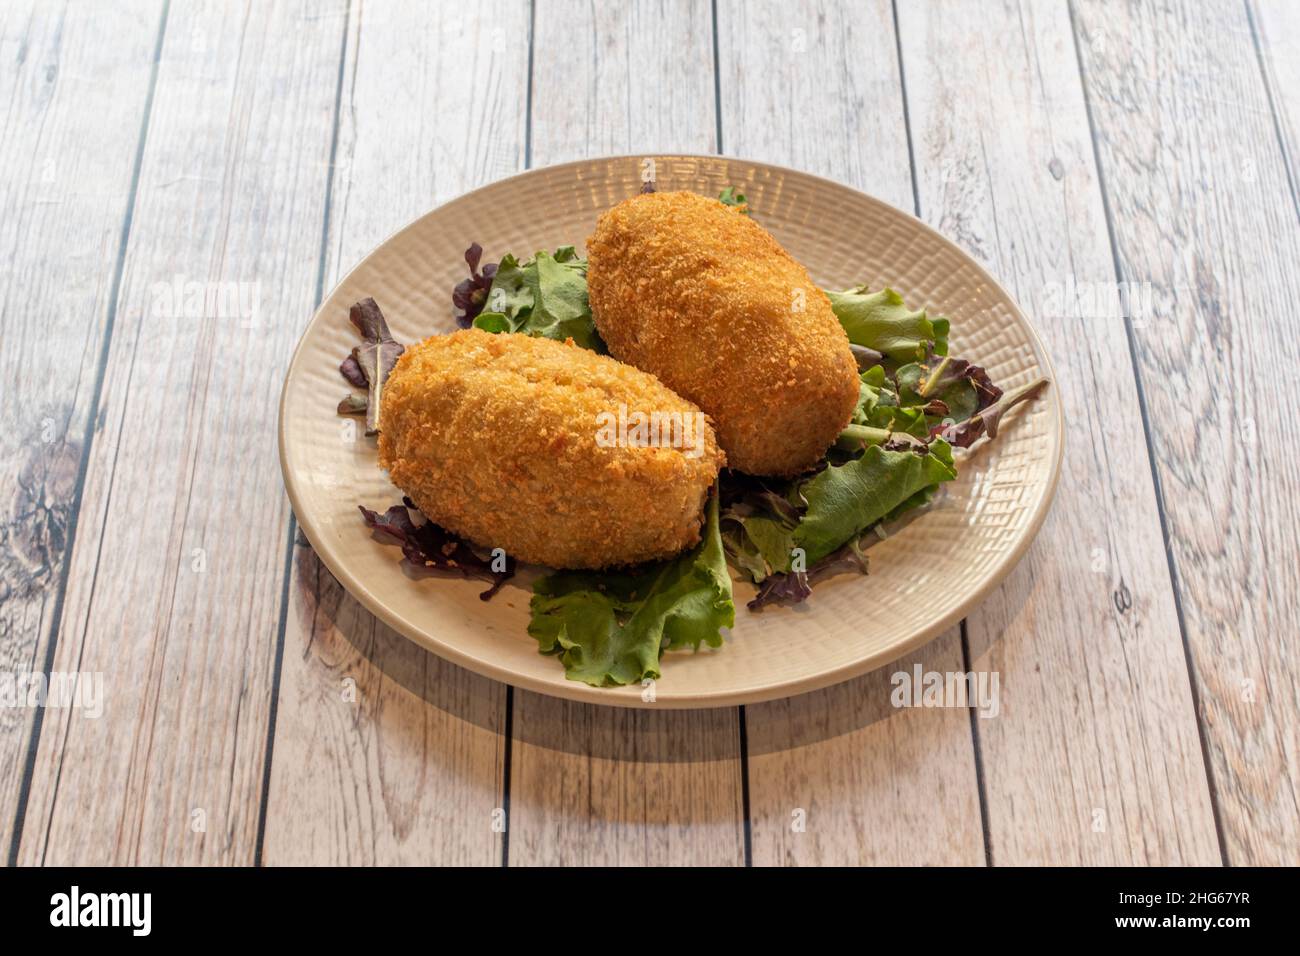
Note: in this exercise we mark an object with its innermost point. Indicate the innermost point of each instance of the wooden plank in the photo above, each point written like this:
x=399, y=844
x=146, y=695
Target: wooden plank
x=839, y=776
x=1277, y=37
x=176, y=576
x=385, y=754
x=1095, y=758
x=1202, y=209
x=614, y=78
x=594, y=785
x=797, y=89
x=74, y=86
x=600, y=786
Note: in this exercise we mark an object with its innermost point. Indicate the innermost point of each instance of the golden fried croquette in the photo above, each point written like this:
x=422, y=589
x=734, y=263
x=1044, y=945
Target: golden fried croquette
x=499, y=438
x=702, y=296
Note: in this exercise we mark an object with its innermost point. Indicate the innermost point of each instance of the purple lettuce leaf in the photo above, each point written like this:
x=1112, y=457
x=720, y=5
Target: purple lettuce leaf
x=865, y=357
x=432, y=548
x=353, y=372
x=793, y=587
x=954, y=383
x=949, y=370
x=353, y=405
x=986, y=420
x=470, y=295
x=369, y=364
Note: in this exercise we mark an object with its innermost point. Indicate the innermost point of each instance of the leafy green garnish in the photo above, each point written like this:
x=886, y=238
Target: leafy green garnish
x=544, y=297
x=986, y=420
x=881, y=407
x=925, y=385
x=838, y=504
x=845, y=500
x=611, y=627
x=881, y=321
x=731, y=196
x=759, y=544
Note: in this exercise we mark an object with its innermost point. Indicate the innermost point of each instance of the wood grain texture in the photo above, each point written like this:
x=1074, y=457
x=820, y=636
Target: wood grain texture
x=1095, y=758
x=613, y=78
x=1276, y=26
x=72, y=110
x=839, y=776
x=597, y=786
x=385, y=754
x=1202, y=210
x=611, y=786
x=176, y=576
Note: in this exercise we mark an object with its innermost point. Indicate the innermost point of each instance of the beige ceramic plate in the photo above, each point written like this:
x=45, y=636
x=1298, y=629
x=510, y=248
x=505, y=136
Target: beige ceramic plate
x=922, y=581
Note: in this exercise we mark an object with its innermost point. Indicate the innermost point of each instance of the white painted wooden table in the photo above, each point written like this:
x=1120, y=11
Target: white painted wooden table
x=1148, y=648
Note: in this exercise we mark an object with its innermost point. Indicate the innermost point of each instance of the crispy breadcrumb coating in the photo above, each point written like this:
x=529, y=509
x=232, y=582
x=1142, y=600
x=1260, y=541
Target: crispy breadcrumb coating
x=702, y=296
x=495, y=437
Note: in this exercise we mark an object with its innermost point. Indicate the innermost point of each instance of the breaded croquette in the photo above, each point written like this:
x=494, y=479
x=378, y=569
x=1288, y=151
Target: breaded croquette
x=702, y=296
x=509, y=441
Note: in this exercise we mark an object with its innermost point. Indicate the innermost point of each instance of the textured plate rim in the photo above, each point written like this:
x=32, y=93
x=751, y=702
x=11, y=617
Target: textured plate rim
x=665, y=699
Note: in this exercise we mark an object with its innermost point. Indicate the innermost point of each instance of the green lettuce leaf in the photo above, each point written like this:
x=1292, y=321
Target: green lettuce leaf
x=544, y=297
x=873, y=391
x=611, y=627
x=950, y=389
x=759, y=544
x=845, y=500
x=837, y=505
x=881, y=321
x=881, y=407
x=731, y=196
x=742, y=553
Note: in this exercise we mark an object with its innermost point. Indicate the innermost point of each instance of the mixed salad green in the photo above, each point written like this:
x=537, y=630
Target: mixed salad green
x=916, y=403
